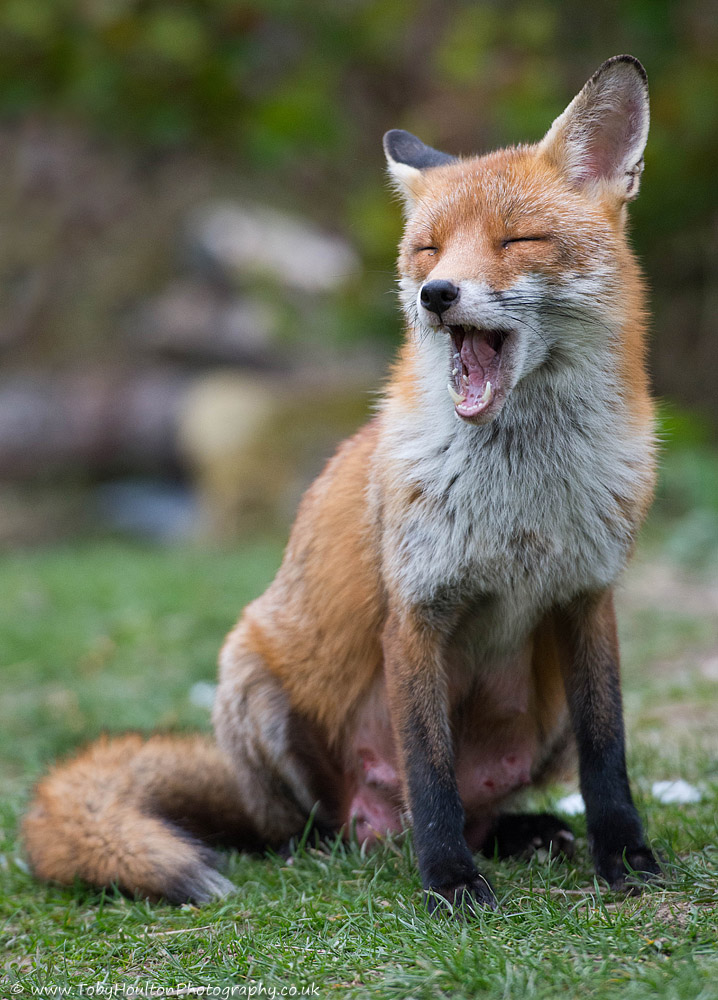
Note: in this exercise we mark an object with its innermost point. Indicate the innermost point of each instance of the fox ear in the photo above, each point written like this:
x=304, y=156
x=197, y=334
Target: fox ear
x=407, y=157
x=601, y=135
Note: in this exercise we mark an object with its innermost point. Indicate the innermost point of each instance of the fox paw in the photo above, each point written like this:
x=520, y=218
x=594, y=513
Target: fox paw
x=520, y=835
x=464, y=899
x=627, y=870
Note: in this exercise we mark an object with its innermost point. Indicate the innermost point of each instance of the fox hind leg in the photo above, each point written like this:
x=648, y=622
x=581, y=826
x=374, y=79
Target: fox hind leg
x=519, y=835
x=280, y=761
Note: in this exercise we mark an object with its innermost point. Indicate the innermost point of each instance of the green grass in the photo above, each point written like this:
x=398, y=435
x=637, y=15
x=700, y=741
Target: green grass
x=113, y=636
x=108, y=636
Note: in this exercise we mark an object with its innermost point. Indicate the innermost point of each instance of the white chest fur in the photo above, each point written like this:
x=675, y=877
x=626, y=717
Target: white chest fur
x=522, y=514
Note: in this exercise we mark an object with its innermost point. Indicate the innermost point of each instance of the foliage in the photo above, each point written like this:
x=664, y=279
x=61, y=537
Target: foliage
x=685, y=514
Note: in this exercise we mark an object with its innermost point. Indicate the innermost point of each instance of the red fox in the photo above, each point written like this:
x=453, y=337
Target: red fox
x=441, y=632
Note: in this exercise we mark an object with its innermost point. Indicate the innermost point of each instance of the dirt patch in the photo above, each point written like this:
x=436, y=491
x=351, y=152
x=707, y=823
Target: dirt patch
x=675, y=912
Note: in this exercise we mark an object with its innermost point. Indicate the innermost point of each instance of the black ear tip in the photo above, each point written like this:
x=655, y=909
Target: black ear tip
x=403, y=147
x=624, y=60
x=396, y=141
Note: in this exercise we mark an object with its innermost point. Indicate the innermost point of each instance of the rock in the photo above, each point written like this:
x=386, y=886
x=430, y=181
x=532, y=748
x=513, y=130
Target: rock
x=158, y=510
x=194, y=322
x=246, y=241
x=203, y=694
x=571, y=805
x=92, y=421
x=676, y=791
x=253, y=444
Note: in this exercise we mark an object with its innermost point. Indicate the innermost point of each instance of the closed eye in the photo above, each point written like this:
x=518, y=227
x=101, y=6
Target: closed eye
x=523, y=239
x=431, y=250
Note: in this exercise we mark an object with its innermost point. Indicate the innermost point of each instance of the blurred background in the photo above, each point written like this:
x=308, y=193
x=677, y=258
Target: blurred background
x=197, y=244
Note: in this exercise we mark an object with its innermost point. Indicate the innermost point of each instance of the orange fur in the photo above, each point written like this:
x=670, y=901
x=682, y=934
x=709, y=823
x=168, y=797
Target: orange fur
x=468, y=208
x=109, y=815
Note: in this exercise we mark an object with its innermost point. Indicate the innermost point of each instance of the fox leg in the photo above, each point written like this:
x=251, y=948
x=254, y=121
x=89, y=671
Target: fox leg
x=519, y=835
x=418, y=705
x=588, y=648
x=279, y=759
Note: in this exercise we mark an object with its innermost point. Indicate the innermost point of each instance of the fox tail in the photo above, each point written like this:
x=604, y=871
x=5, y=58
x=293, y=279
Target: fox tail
x=142, y=814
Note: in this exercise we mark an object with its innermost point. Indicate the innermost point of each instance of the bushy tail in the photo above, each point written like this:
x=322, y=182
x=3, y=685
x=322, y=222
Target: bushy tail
x=141, y=813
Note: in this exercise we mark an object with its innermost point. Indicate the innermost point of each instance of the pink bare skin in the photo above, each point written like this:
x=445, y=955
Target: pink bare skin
x=495, y=746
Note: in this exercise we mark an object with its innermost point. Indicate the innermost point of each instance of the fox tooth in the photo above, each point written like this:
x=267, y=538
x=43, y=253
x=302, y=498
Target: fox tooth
x=455, y=371
x=488, y=394
x=456, y=398
x=465, y=379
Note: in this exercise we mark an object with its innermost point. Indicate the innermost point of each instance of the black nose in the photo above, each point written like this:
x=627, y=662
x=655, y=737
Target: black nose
x=437, y=296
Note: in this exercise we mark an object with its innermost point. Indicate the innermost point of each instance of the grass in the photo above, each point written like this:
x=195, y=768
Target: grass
x=109, y=636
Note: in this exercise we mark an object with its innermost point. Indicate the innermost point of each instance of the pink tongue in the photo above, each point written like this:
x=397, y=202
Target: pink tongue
x=477, y=356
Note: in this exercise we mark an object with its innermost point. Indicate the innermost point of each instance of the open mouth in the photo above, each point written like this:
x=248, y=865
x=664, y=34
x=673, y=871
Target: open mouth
x=476, y=377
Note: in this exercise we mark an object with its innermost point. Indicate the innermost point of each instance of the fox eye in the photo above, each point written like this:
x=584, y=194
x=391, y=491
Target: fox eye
x=523, y=239
x=432, y=251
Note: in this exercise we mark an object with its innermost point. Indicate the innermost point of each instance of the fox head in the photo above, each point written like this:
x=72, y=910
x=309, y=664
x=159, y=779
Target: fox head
x=518, y=260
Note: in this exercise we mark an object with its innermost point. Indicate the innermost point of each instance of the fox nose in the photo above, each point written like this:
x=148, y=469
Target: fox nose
x=437, y=296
